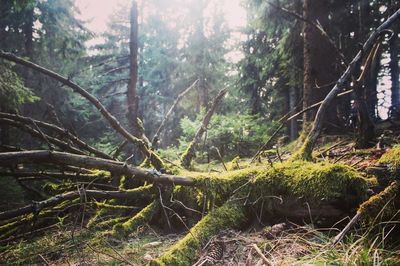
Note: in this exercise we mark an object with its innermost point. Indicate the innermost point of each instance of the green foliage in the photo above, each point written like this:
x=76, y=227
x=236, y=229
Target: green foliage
x=232, y=134
x=13, y=92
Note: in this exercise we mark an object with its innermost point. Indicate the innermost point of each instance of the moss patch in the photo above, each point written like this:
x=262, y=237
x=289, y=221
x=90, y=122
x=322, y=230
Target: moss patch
x=311, y=181
x=391, y=158
x=188, y=249
x=381, y=206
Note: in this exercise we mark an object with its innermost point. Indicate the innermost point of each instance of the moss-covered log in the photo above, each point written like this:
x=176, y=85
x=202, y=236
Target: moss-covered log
x=392, y=159
x=141, y=218
x=382, y=207
x=315, y=183
x=188, y=249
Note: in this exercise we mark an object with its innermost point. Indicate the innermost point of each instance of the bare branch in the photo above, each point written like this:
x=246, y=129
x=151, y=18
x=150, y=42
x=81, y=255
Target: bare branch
x=62, y=158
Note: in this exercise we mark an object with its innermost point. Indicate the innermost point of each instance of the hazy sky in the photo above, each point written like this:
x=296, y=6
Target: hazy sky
x=98, y=11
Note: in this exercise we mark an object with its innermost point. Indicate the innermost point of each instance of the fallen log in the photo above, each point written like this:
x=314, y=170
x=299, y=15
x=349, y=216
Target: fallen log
x=62, y=158
x=36, y=207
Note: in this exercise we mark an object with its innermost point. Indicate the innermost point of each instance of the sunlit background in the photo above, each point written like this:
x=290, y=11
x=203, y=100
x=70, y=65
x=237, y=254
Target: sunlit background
x=96, y=13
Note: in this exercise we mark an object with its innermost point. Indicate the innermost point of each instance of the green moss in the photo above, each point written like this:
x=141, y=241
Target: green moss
x=304, y=153
x=114, y=207
x=310, y=181
x=381, y=206
x=234, y=164
x=141, y=218
x=110, y=223
x=188, y=155
x=391, y=158
x=188, y=248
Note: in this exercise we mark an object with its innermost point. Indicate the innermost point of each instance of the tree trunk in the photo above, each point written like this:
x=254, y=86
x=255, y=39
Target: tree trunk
x=132, y=98
x=320, y=60
x=28, y=32
x=394, y=69
x=308, y=78
x=366, y=128
x=293, y=126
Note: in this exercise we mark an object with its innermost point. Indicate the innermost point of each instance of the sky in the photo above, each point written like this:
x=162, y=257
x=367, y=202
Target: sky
x=97, y=12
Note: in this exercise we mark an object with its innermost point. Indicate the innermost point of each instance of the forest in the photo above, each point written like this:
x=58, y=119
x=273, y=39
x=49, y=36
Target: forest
x=183, y=135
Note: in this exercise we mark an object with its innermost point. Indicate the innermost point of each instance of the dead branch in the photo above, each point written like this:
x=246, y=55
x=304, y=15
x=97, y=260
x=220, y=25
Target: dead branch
x=36, y=207
x=168, y=114
x=40, y=135
x=265, y=146
x=58, y=130
x=48, y=175
x=115, y=124
x=308, y=146
x=315, y=105
x=189, y=154
x=62, y=158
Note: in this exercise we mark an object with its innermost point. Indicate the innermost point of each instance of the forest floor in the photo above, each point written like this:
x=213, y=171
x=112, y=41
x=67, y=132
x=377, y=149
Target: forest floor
x=284, y=243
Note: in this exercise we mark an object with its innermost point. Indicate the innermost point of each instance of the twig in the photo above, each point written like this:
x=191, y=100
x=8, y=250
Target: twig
x=342, y=233
x=259, y=252
x=263, y=147
x=168, y=114
x=315, y=105
x=220, y=158
x=163, y=208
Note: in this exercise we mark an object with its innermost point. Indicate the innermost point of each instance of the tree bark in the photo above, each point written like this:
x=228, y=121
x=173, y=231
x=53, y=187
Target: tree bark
x=132, y=98
x=293, y=125
x=308, y=79
x=320, y=59
x=394, y=69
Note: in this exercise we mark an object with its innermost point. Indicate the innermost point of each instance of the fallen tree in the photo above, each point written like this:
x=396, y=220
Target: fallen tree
x=298, y=190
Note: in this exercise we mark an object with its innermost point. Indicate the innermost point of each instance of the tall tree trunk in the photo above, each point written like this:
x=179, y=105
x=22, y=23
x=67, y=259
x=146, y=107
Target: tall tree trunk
x=28, y=32
x=200, y=57
x=132, y=98
x=366, y=128
x=394, y=61
x=320, y=60
x=308, y=79
x=371, y=79
x=293, y=126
